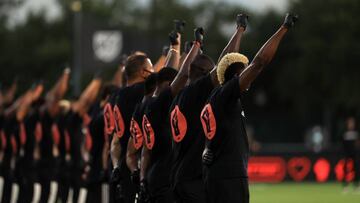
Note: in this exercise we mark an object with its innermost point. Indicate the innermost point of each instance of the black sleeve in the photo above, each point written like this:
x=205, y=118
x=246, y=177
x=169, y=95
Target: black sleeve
x=230, y=90
x=164, y=100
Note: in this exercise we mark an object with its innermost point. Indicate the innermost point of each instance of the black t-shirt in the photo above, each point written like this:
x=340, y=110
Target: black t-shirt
x=188, y=138
x=126, y=100
x=136, y=124
x=10, y=127
x=96, y=128
x=158, y=140
x=30, y=122
x=223, y=123
x=73, y=127
x=46, y=143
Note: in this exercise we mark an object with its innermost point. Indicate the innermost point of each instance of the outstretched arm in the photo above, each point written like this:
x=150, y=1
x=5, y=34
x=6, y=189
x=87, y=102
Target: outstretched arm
x=118, y=79
x=265, y=54
x=9, y=95
x=234, y=43
x=88, y=96
x=173, y=56
x=182, y=76
x=57, y=92
x=160, y=63
x=27, y=100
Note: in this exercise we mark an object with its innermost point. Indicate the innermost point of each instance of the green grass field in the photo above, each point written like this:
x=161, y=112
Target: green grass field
x=301, y=193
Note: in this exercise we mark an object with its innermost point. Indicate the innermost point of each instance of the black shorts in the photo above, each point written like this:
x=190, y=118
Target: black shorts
x=231, y=190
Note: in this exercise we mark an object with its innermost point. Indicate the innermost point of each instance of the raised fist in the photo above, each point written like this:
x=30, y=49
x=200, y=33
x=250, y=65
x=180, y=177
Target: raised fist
x=174, y=38
x=242, y=20
x=199, y=34
x=290, y=20
x=179, y=26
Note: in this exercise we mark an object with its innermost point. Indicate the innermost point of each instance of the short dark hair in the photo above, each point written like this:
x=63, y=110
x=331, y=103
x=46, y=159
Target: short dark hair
x=201, y=65
x=150, y=83
x=232, y=70
x=133, y=65
x=166, y=74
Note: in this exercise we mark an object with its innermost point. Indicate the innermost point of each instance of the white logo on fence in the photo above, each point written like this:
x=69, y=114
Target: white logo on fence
x=107, y=45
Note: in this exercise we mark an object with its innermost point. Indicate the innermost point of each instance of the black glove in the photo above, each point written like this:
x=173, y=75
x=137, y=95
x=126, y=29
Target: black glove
x=290, y=20
x=207, y=157
x=144, y=196
x=242, y=20
x=179, y=26
x=199, y=35
x=135, y=177
x=115, y=175
x=173, y=38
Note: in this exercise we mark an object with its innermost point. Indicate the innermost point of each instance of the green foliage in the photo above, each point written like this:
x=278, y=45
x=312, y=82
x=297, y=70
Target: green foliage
x=315, y=69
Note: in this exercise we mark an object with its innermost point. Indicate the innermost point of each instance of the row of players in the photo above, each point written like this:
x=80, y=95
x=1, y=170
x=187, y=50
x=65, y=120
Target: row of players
x=175, y=131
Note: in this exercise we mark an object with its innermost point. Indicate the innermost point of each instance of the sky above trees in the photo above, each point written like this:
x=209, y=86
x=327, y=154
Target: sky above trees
x=52, y=9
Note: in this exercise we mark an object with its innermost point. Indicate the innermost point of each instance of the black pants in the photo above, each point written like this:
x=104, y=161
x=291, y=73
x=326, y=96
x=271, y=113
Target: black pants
x=229, y=190
x=190, y=192
x=94, y=192
x=162, y=195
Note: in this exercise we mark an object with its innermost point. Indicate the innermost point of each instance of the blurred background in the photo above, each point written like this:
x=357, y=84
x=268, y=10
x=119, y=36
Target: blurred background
x=296, y=110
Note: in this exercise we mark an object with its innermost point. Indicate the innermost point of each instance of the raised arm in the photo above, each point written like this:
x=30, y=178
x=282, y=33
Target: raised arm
x=160, y=63
x=173, y=57
x=182, y=76
x=234, y=42
x=57, y=92
x=9, y=95
x=27, y=100
x=88, y=96
x=265, y=54
x=118, y=79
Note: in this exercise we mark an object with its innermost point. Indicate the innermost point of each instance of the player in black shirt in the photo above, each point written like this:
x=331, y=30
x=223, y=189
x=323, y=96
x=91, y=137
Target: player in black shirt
x=96, y=163
x=156, y=157
x=187, y=133
x=136, y=140
x=163, y=78
x=7, y=125
x=137, y=69
x=46, y=132
x=226, y=153
x=76, y=136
